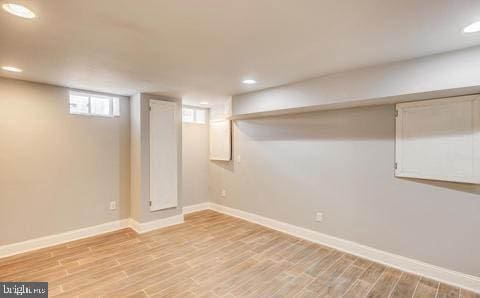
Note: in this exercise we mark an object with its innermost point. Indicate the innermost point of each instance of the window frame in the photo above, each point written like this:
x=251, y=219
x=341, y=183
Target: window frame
x=112, y=100
x=195, y=109
x=193, y=114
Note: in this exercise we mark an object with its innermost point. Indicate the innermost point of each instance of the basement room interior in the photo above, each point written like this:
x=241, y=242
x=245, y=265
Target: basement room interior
x=307, y=148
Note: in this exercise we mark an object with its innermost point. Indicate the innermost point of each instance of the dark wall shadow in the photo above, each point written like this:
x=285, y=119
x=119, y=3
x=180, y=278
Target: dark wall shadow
x=227, y=165
x=463, y=187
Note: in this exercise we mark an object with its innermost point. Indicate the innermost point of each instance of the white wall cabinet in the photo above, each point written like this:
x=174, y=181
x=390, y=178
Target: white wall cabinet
x=163, y=155
x=220, y=140
x=439, y=139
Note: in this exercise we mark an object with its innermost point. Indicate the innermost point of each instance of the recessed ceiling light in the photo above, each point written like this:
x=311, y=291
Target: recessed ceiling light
x=249, y=81
x=19, y=10
x=204, y=103
x=11, y=68
x=473, y=27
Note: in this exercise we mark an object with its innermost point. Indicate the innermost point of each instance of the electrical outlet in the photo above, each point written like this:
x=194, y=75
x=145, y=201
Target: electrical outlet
x=113, y=205
x=239, y=158
x=224, y=193
x=319, y=216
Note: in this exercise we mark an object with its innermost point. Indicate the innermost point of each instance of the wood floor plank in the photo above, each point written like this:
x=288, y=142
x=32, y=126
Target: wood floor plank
x=447, y=291
x=144, y=280
x=293, y=287
x=308, y=248
x=362, y=263
x=212, y=255
x=366, y=281
x=319, y=254
x=406, y=286
x=426, y=288
x=268, y=276
x=341, y=285
x=243, y=276
x=214, y=281
x=271, y=287
x=385, y=284
x=324, y=263
x=468, y=294
x=372, y=273
x=88, y=285
x=359, y=289
x=235, y=264
x=323, y=284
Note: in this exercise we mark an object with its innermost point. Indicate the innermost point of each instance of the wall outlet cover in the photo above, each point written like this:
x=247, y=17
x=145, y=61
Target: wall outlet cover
x=113, y=205
x=319, y=216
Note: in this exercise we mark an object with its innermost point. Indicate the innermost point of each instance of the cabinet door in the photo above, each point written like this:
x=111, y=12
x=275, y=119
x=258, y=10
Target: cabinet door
x=163, y=155
x=220, y=140
x=439, y=139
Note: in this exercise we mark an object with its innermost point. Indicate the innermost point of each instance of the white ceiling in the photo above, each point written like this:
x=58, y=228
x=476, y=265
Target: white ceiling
x=204, y=49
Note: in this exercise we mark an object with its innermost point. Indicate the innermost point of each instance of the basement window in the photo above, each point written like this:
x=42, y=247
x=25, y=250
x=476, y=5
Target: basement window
x=194, y=115
x=91, y=104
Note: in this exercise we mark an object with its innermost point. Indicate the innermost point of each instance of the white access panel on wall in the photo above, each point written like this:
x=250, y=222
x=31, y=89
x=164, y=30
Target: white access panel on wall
x=163, y=155
x=439, y=139
x=220, y=140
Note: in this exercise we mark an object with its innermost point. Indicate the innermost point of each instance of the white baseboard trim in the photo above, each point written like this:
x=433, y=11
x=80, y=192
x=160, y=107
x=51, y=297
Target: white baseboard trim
x=143, y=227
x=42, y=242
x=195, y=208
x=403, y=263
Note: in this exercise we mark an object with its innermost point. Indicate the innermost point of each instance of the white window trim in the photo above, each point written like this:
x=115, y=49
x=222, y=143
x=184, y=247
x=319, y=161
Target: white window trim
x=114, y=104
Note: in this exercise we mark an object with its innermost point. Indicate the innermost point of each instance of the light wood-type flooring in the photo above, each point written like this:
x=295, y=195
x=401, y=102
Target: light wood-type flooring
x=212, y=255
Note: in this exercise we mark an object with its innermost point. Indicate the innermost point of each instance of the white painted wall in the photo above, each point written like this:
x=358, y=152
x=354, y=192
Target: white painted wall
x=58, y=172
x=448, y=74
x=341, y=163
x=140, y=160
x=195, y=163
x=135, y=157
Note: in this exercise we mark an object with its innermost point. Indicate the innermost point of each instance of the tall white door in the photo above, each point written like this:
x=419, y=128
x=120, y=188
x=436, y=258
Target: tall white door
x=163, y=155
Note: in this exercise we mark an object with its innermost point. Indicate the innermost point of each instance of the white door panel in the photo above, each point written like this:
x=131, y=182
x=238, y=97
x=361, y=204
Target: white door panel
x=163, y=155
